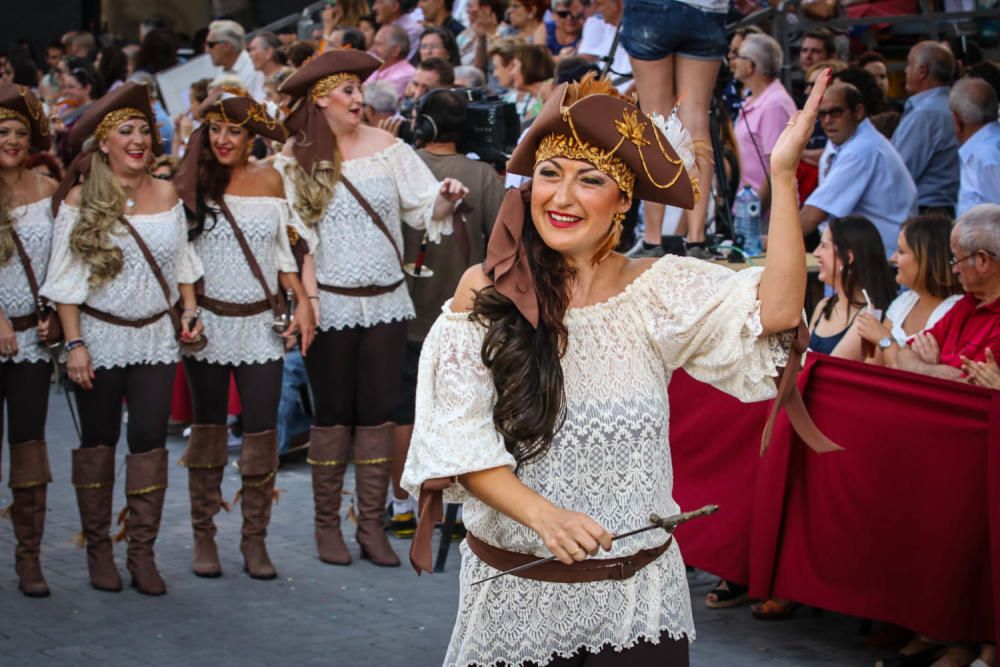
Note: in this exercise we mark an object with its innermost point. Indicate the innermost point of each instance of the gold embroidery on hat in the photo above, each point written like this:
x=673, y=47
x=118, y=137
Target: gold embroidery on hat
x=632, y=128
x=9, y=114
x=116, y=118
x=323, y=87
x=561, y=145
x=35, y=110
x=255, y=112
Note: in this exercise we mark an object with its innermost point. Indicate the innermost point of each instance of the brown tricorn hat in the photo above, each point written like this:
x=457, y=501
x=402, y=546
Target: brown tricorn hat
x=19, y=103
x=240, y=111
x=611, y=133
x=314, y=140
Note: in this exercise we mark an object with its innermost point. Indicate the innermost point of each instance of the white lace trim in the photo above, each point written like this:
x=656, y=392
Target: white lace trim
x=33, y=223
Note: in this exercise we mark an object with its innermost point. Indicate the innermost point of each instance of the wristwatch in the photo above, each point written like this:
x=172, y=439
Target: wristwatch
x=886, y=342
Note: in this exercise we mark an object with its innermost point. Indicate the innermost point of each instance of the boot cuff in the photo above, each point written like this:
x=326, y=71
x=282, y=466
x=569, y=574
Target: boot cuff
x=329, y=445
x=207, y=447
x=29, y=465
x=259, y=454
x=93, y=467
x=373, y=444
x=146, y=472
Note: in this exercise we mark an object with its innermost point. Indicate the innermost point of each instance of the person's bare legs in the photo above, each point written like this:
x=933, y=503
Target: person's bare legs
x=654, y=81
x=695, y=82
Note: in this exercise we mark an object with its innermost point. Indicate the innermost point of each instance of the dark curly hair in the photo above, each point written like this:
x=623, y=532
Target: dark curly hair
x=213, y=179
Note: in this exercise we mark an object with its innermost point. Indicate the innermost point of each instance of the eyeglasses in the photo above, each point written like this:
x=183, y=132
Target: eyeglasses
x=211, y=44
x=834, y=113
x=954, y=261
x=565, y=14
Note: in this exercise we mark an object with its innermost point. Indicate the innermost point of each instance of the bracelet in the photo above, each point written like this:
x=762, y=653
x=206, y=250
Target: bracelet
x=194, y=311
x=314, y=297
x=75, y=343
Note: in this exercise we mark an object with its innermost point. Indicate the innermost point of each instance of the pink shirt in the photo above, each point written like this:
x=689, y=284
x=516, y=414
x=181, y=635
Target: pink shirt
x=766, y=116
x=398, y=74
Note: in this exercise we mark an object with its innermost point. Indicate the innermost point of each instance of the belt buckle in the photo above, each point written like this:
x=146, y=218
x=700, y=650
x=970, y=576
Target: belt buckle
x=626, y=570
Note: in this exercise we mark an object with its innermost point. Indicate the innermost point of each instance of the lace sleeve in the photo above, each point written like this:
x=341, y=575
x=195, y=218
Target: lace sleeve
x=705, y=319
x=283, y=248
x=189, y=266
x=67, y=275
x=453, y=432
x=285, y=164
x=418, y=190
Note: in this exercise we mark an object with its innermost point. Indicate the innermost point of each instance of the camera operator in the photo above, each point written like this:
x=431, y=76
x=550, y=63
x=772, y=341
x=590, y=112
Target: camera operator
x=430, y=74
x=440, y=121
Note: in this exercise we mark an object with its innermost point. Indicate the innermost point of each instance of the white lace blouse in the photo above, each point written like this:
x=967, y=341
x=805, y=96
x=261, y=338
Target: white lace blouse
x=349, y=249
x=33, y=223
x=611, y=458
x=264, y=222
x=900, y=309
x=133, y=294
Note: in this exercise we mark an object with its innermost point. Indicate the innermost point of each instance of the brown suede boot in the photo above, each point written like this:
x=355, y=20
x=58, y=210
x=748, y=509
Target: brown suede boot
x=145, y=488
x=206, y=458
x=258, y=467
x=372, y=462
x=329, y=447
x=29, y=476
x=94, y=479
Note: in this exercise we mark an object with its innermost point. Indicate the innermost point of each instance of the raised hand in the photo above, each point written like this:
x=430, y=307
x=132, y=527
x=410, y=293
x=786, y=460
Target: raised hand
x=792, y=141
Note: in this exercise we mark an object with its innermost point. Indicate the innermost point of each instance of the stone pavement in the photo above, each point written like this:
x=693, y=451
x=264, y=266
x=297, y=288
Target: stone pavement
x=313, y=614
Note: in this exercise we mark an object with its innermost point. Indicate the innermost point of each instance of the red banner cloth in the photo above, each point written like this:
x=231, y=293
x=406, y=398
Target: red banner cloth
x=903, y=526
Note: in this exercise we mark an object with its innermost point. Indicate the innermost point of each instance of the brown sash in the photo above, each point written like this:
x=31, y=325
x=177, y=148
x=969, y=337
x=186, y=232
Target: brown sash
x=229, y=309
x=26, y=322
x=121, y=321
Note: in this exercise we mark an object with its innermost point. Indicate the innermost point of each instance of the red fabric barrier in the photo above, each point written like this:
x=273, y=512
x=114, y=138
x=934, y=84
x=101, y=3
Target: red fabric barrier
x=903, y=526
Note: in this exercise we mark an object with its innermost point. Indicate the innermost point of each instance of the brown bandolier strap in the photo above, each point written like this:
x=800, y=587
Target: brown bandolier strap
x=229, y=309
x=175, y=319
x=271, y=299
x=24, y=322
x=592, y=569
x=368, y=290
x=29, y=272
x=120, y=321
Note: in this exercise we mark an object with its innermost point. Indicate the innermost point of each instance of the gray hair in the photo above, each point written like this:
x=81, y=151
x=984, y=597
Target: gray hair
x=228, y=31
x=979, y=229
x=470, y=74
x=398, y=37
x=974, y=101
x=765, y=53
x=938, y=60
x=381, y=96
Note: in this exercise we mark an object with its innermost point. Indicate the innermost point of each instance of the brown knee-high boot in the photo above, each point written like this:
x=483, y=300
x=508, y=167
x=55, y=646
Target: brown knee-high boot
x=94, y=479
x=372, y=461
x=145, y=488
x=206, y=458
x=29, y=475
x=329, y=447
x=258, y=467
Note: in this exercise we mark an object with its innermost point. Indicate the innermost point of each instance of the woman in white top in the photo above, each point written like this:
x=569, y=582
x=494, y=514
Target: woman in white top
x=354, y=278
x=922, y=262
x=25, y=226
x=121, y=340
x=542, y=399
x=233, y=202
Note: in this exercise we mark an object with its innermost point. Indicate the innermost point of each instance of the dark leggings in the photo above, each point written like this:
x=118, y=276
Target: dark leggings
x=147, y=388
x=667, y=653
x=356, y=374
x=259, y=386
x=24, y=387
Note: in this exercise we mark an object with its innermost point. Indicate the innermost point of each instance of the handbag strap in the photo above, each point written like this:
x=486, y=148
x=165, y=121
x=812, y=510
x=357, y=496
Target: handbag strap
x=28, y=271
x=373, y=214
x=144, y=249
x=251, y=260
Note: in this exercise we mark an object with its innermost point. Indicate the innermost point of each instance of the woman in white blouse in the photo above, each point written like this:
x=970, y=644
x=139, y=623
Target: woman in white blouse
x=922, y=262
x=121, y=340
x=542, y=400
x=233, y=202
x=25, y=227
x=354, y=278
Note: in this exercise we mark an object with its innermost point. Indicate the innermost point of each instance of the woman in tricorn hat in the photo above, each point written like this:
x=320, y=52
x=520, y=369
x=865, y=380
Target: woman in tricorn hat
x=116, y=308
x=25, y=227
x=542, y=400
x=351, y=186
x=237, y=207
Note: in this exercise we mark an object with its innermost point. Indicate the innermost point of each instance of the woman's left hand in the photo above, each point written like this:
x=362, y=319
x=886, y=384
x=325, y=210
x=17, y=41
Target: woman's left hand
x=870, y=328
x=303, y=324
x=191, y=333
x=792, y=141
x=451, y=192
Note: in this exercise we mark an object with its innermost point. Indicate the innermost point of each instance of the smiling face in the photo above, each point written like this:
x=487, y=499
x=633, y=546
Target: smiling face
x=570, y=18
x=572, y=205
x=907, y=264
x=14, y=141
x=344, y=105
x=74, y=91
x=230, y=143
x=129, y=146
x=826, y=257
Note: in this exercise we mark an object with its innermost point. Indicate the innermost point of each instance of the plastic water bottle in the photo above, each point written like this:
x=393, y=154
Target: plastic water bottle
x=746, y=222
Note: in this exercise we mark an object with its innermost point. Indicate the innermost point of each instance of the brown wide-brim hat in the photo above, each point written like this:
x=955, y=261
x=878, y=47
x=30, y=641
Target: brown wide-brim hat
x=240, y=111
x=314, y=141
x=611, y=125
x=19, y=103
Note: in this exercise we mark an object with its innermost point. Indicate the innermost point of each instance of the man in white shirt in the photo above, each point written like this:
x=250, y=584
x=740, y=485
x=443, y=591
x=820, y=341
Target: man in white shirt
x=973, y=104
x=265, y=54
x=226, y=46
x=598, y=36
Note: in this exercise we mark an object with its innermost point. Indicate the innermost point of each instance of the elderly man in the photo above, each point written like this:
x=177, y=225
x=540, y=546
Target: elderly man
x=925, y=137
x=265, y=54
x=860, y=173
x=381, y=103
x=226, y=46
x=971, y=326
x=400, y=13
x=973, y=104
x=391, y=45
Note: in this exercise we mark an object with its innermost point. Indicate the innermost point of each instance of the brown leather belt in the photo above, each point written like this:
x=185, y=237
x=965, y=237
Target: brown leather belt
x=120, y=321
x=592, y=569
x=24, y=322
x=229, y=309
x=370, y=290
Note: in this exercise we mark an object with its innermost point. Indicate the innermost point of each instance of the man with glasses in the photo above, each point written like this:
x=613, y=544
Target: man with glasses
x=973, y=324
x=226, y=46
x=860, y=173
